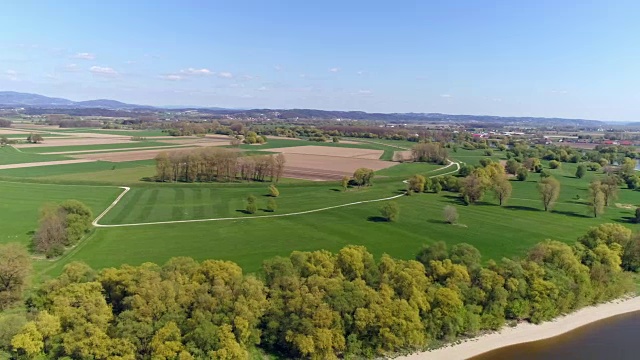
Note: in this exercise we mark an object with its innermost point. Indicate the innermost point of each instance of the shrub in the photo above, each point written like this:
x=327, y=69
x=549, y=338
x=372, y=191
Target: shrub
x=390, y=211
x=554, y=164
x=273, y=191
x=450, y=214
x=522, y=173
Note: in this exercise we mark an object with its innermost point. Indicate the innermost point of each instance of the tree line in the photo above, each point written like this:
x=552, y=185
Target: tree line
x=313, y=305
x=217, y=164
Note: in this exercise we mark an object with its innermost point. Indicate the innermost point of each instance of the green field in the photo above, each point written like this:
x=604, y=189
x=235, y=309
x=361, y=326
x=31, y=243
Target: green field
x=122, y=146
x=495, y=231
x=76, y=172
x=11, y=155
x=20, y=204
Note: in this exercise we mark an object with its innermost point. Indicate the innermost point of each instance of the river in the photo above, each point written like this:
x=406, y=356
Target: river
x=612, y=338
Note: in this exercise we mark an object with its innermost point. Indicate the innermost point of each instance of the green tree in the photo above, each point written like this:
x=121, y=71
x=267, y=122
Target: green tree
x=581, y=171
x=272, y=206
x=501, y=189
x=251, y=207
x=390, y=211
x=273, y=191
x=549, y=189
x=363, y=176
x=416, y=183
x=609, y=188
x=474, y=187
x=15, y=267
x=596, y=199
x=522, y=173
x=512, y=166
x=554, y=164
x=344, y=183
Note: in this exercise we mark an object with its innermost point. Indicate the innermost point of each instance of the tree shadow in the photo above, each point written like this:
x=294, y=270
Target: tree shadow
x=267, y=210
x=336, y=190
x=626, y=220
x=31, y=233
x=376, y=219
x=519, y=207
x=244, y=212
x=455, y=199
x=148, y=179
x=434, y=221
x=571, y=213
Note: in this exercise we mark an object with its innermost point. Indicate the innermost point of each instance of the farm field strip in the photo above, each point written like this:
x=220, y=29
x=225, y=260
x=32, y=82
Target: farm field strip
x=114, y=150
x=44, y=163
x=126, y=189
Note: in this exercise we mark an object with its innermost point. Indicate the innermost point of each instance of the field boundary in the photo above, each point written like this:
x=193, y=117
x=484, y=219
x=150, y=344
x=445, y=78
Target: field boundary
x=115, y=202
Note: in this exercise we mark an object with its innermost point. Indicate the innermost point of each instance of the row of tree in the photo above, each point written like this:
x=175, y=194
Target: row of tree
x=217, y=164
x=314, y=305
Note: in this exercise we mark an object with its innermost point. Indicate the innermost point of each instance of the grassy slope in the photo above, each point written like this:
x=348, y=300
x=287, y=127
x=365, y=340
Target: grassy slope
x=21, y=203
x=11, y=155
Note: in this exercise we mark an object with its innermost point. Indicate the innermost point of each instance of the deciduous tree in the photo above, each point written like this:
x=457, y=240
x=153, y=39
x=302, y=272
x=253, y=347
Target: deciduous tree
x=390, y=211
x=549, y=189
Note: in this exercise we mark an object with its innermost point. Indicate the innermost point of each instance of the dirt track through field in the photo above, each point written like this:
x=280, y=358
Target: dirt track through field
x=126, y=189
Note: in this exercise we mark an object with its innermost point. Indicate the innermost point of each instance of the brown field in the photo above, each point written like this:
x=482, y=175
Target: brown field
x=331, y=151
x=44, y=163
x=5, y=131
x=323, y=168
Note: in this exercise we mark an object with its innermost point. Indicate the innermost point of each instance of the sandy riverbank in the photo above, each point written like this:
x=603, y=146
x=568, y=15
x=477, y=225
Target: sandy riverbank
x=527, y=332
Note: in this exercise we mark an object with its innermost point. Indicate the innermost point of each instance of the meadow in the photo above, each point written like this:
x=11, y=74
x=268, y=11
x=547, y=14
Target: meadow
x=496, y=231
x=11, y=155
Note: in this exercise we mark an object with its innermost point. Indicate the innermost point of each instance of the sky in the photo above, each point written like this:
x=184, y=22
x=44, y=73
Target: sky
x=549, y=58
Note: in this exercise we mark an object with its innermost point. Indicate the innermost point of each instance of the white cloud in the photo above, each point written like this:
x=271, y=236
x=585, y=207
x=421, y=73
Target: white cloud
x=262, y=88
x=225, y=75
x=193, y=71
x=11, y=75
x=277, y=68
x=445, y=95
x=364, y=92
x=72, y=68
x=361, y=72
x=248, y=77
x=84, y=56
x=172, y=77
x=334, y=70
x=103, y=71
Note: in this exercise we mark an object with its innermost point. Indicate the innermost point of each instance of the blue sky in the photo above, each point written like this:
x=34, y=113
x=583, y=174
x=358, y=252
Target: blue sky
x=561, y=58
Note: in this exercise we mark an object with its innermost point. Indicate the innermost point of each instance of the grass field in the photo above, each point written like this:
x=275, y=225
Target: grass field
x=21, y=203
x=11, y=155
x=128, y=145
x=75, y=172
x=496, y=231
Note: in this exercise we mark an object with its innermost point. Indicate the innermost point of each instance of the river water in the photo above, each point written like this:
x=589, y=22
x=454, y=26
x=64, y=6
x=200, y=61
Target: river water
x=613, y=338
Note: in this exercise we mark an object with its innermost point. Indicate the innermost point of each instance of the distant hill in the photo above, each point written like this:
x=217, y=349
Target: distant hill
x=16, y=99
x=38, y=104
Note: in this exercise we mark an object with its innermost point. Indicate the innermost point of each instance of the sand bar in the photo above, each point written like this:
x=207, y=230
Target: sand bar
x=527, y=332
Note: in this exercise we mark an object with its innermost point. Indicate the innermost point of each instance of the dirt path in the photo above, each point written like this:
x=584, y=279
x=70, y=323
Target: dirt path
x=126, y=189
